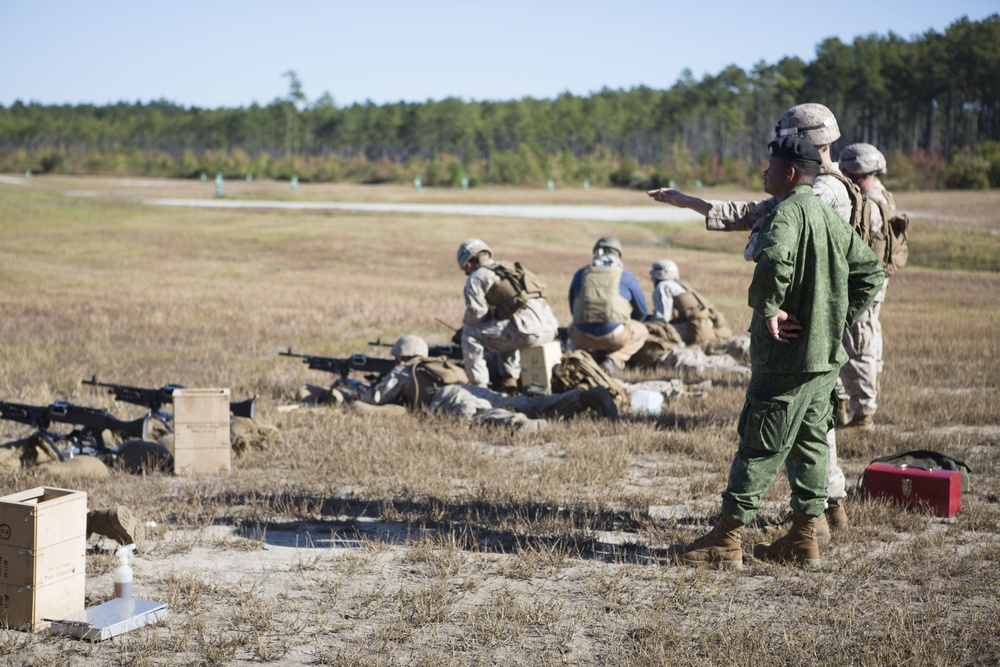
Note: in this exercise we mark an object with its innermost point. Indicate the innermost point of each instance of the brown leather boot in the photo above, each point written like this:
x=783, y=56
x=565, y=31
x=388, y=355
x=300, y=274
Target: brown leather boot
x=118, y=523
x=722, y=547
x=835, y=514
x=798, y=546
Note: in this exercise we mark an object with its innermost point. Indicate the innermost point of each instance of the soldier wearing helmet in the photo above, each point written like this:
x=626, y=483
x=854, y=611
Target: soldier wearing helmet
x=813, y=122
x=693, y=317
x=817, y=125
x=857, y=386
x=505, y=310
x=438, y=385
x=608, y=307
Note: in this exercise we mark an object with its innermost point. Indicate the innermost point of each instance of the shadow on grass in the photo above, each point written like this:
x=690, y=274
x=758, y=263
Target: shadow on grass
x=576, y=532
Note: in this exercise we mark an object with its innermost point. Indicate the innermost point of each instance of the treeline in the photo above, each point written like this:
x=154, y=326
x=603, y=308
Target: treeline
x=932, y=104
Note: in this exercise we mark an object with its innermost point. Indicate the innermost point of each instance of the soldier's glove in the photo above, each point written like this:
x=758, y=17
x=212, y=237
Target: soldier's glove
x=457, y=338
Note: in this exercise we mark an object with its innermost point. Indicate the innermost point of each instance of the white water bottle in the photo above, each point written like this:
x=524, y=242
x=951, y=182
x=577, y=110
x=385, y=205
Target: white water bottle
x=122, y=575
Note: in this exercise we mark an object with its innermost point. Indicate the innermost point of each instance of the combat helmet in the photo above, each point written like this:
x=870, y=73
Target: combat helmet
x=606, y=243
x=469, y=249
x=862, y=159
x=409, y=346
x=664, y=269
x=813, y=122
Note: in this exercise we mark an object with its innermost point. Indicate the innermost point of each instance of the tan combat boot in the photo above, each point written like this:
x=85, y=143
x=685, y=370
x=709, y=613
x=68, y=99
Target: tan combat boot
x=835, y=515
x=861, y=423
x=798, y=546
x=722, y=547
x=844, y=414
x=118, y=523
x=779, y=530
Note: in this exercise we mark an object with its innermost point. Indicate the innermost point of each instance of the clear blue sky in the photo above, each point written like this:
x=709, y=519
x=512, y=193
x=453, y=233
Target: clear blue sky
x=215, y=53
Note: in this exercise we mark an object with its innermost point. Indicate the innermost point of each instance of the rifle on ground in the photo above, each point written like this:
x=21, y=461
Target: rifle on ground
x=90, y=423
x=375, y=367
x=155, y=399
x=449, y=351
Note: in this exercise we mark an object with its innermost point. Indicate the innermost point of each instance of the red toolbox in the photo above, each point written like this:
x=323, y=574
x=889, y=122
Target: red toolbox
x=939, y=491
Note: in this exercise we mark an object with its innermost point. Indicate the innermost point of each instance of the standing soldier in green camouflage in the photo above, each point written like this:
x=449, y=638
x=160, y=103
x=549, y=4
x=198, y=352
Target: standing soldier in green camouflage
x=857, y=385
x=813, y=277
x=816, y=124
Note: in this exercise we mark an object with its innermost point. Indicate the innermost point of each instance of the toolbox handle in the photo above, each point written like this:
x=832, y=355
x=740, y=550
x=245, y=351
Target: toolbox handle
x=909, y=465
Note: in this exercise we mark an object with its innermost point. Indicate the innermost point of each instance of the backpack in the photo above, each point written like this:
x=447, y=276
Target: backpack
x=578, y=370
x=890, y=244
x=516, y=288
x=429, y=375
x=926, y=458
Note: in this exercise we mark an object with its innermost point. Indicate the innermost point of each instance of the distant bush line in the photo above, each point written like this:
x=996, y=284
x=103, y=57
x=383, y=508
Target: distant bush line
x=932, y=104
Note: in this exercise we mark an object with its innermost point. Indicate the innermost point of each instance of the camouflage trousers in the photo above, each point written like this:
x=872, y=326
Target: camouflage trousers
x=837, y=487
x=859, y=376
x=505, y=338
x=620, y=344
x=785, y=422
x=485, y=405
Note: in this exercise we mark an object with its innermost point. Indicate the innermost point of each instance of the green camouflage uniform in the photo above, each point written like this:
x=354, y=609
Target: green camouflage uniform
x=811, y=264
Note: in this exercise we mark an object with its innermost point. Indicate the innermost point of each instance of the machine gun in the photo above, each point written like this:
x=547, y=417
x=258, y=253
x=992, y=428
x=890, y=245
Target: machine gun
x=449, y=351
x=90, y=423
x=155, y=399
x=374, y=367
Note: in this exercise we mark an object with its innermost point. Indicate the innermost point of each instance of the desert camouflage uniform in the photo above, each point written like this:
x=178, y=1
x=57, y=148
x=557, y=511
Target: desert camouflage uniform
x=484, y=405
x=391, y=388
x=534, y=324
x=731, y=216
x=858, y=380
x=695, y=327
x=477, y=403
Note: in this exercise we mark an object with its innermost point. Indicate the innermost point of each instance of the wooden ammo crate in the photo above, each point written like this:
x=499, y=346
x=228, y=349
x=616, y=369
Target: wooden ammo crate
x=43, y=545
x=201, y=432
x=536, y=366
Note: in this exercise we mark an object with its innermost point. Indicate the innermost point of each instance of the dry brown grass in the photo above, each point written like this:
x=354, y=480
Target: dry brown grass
x=425, y=541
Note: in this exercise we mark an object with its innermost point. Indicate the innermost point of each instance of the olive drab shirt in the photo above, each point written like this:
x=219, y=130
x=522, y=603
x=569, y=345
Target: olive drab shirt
x=811, y=264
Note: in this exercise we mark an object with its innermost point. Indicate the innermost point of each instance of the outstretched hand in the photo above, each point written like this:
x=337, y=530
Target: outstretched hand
x=680, y=200
x=783, y=327
x=668, y=196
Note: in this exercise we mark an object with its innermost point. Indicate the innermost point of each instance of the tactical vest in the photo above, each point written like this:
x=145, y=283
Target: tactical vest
x=688, y=305
x=429, y=375
x=600, y=299
x=516, y=287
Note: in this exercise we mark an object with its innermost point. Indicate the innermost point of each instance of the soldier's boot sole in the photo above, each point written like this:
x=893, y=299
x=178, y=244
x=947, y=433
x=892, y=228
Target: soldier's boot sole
x=118, y=523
